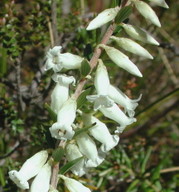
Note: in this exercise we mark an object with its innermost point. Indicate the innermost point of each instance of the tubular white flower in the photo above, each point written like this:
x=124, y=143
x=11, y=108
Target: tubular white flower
x=117, y=115
x=101, y=80
x=53, y=59
x=57, y=61
x=62, y=129
x=101, y=133
x=29, y=169
x=60, y=94
x=72, y=153
x=160, y=3
x=73, y=185
x=41, y=182
x=147, y=12
x=70, y=61
x=139, y=34
x=100, y=101
x=121, y=60
x=88, y=148
x=120, y=98
x=103, y=18
x=131, y=46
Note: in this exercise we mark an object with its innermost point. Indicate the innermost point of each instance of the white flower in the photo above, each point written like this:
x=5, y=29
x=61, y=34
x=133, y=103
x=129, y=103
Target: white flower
x=121, y=60
x=88, y=148
x=29, y=169
x=60, y=94
x=131, y=46
x=100, y=101
x=70, y=61
x=117, y=115
x=103, y=18
x=41, y=182
x=147, y=12
x=73, y=185
x=101, y=80
x=120, y=98
x=139, y=34
x=57, y=60
x=101, y=133
x=62, y=129
x=72, y=153
x=53, y=59
x=160, y=3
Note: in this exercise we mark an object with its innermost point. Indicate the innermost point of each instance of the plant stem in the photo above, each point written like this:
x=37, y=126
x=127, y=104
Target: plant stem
x=94, y=59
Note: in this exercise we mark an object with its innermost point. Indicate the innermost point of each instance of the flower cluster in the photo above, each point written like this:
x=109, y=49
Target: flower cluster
x=81, y=140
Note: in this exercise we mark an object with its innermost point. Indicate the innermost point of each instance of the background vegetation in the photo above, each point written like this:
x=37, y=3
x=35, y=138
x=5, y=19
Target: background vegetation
x=146, y=159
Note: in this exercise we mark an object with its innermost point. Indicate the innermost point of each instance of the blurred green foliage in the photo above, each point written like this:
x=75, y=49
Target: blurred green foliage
x=146, y=160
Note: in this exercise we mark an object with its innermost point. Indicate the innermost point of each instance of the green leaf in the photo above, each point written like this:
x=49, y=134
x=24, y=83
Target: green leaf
x=79, y=131
x=51, y=112
x=85, y=67
x=123, y=14
x=147, y=156
x=69, y=165
x=58, y=154
x=82, y=98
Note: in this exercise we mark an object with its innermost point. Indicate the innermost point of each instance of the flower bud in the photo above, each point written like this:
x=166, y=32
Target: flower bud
x=60, y=93
x=103, y=18
x=147, y=12
x=42, y=180
x=139, y=34
x=101, y=79
x=160, y=3
x=121, y=60
x=29, y=169
x=131, y=46
x=73, y=185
